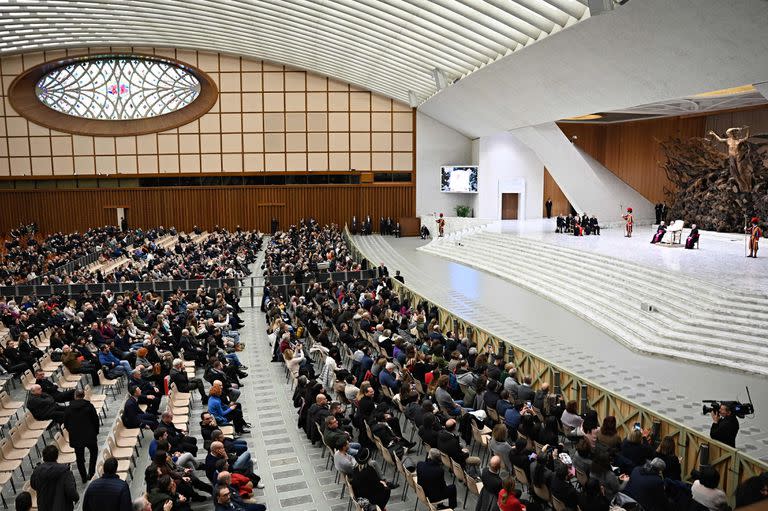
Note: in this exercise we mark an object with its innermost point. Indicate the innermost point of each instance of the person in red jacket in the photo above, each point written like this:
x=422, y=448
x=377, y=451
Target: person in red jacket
x=508, y=500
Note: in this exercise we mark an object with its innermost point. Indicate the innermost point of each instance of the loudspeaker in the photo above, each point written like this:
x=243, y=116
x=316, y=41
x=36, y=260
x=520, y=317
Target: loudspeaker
x=647, y=307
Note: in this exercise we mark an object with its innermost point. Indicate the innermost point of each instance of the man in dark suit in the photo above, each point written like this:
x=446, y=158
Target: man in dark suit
x=548, y=205
x=657, y=209
x=491, y=484
x=108, y=491
x=430, y=476
x=43, y=407
x=133, y=417
x=448, y=441
x=52, y=389
x=524, y=391
x=82, y=423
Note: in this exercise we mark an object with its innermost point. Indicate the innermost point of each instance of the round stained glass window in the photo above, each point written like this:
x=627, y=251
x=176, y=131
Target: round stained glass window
x=118, y=88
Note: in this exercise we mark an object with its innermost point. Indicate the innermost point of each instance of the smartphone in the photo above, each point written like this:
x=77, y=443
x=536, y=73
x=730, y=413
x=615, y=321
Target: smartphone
x=528, y=404
x=637, y=426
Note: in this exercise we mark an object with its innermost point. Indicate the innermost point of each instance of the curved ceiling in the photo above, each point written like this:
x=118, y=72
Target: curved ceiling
x=390, y=47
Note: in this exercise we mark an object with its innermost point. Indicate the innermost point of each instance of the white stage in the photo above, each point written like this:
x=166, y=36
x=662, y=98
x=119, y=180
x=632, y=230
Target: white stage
x=672, y=387
x=720, y=259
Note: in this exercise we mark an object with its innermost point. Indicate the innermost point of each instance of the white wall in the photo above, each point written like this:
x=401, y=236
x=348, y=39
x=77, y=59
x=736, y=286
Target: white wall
x=639, y=53
x=438, y=145
x=507, y=165
x=588, y=185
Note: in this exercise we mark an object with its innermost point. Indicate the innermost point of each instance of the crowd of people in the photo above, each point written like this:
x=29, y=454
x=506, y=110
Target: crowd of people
x=222, y=254
x=400, y=360
x=144, y=341
x=308, y=247
x=577, y=225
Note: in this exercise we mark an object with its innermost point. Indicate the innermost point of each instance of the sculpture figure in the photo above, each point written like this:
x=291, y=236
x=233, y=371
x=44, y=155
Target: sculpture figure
x=743, y=176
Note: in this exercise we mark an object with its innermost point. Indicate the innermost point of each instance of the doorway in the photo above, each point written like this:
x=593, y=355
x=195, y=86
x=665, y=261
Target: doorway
x=509, y=205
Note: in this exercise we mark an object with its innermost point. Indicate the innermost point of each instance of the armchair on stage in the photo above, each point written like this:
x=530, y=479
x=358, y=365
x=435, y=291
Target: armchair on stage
x=675, y=233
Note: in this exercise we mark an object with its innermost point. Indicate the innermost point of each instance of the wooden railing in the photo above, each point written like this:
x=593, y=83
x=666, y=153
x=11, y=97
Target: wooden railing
x=733, y=465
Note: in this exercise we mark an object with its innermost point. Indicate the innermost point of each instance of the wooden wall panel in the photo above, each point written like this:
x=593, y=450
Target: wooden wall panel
x=631, y=150
x=560, y=204
x=250, y=207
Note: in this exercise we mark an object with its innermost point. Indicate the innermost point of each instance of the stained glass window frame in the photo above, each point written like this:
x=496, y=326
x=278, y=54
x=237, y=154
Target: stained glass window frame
x=118, y=88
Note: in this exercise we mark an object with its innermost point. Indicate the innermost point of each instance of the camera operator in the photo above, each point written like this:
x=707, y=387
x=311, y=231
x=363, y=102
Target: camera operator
x=725, y=426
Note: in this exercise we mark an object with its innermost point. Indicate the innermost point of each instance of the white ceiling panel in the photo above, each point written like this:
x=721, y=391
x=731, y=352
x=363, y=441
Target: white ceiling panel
x=389, y=47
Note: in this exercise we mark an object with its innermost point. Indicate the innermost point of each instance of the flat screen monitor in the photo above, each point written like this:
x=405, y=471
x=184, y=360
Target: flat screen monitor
x=458, y=179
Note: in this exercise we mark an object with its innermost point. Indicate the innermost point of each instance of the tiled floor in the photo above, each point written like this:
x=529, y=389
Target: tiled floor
x=672, y=387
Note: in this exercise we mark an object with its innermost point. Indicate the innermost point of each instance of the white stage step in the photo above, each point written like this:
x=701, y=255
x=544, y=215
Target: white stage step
x=693, y=320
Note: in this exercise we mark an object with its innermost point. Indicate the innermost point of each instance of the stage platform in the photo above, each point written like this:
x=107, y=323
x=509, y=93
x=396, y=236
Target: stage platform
x=720, y=258
x=671, y=387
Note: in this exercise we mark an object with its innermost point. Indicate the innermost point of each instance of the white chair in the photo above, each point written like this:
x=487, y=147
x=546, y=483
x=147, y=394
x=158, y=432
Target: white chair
x=675, y=232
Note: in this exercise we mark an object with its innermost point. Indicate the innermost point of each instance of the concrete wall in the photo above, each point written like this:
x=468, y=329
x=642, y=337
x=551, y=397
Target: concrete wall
x=438, y=145
x=507, y=165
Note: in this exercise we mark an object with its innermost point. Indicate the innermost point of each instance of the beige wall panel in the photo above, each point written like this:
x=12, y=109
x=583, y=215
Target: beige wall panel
x=253, y=143
x=294, y=81
x=316, y=83
x=381, y=161
x=253, y=102
x=232, y=143
x=301, y=108
x=317, y=142
x=296, y=122
x=274, y=142
x=295, y=142
x=274, y=162
x=253, y=162
x=190, y=163
x=296, y=162
x=317, y=101
x=317, y=161
x=317, y=122
x=360, y=141
x=402, y=161
x=338, y=161
x=381, y=141
x=360, y=161
x=232, y=162
x=360, y=121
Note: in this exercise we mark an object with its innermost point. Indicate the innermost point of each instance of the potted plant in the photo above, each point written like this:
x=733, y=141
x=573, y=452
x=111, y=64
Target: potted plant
x=463, y=211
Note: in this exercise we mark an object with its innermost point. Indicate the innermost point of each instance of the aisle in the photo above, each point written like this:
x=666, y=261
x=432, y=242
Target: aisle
x=291, y=468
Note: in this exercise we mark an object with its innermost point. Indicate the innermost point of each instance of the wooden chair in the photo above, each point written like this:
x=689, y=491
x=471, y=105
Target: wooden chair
x=123, y=465
x=542, y=492
x=11, y=454
x=107, y=383
x=473, y=486
x=66, y=453
x=558, y=504
x=408, y=476
x=431, y=506
x=521, y=477
x=28, y=379
x=582, y=477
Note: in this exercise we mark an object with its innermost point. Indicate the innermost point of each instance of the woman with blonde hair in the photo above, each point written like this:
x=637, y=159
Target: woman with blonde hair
x=293, y=361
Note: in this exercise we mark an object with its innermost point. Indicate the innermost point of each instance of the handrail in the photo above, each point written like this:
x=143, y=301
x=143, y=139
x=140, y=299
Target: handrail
x=158, y=286
x=734, y=466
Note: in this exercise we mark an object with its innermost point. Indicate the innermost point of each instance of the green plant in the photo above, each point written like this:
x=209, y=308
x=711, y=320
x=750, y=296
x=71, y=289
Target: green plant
x=463, y=211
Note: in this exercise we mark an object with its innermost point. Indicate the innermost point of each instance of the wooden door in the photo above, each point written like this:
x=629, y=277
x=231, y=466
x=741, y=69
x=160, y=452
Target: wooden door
x=509, y=206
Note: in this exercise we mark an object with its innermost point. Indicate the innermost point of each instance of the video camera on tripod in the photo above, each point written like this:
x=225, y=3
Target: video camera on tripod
x=737, y=408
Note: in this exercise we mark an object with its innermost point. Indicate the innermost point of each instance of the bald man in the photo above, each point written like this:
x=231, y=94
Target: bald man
x=492, y=482
x=43, y=406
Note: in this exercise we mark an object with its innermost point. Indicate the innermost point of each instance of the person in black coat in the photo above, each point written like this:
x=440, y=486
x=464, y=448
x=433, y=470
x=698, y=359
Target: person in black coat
x=108, y=491
x=725, y=426
x=646, y=486
x=82, y=423
x=54, y=483
x=561, y=488
x=429, y=430
x=43, y=407
x=366, y=482
x=431, y=477
x=133, y=417
x=52, y=389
